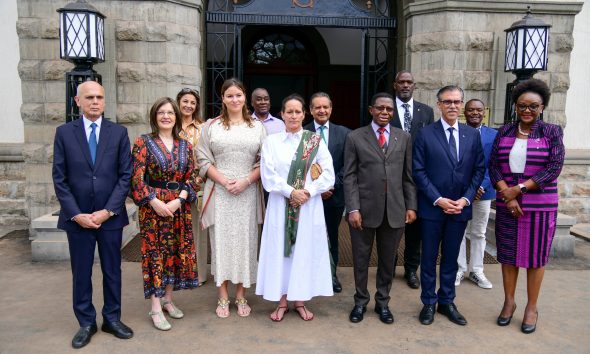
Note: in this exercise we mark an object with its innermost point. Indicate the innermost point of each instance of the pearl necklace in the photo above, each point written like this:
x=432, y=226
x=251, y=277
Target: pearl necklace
x=521, y=132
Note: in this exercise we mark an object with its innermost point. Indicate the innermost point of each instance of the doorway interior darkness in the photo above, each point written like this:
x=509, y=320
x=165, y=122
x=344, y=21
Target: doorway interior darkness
x=285, y=53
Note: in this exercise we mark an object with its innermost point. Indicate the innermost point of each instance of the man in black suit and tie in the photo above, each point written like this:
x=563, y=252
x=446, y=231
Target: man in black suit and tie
x=335, y=137
x=91, y=176
x=410, y=116
x=448, y=163
x=380, y=200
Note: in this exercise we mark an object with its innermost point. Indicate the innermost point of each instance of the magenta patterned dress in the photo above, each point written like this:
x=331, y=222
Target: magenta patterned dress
x=526, y=241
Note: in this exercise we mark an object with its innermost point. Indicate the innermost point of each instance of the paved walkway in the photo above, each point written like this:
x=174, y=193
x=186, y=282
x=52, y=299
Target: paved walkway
x=36, y=316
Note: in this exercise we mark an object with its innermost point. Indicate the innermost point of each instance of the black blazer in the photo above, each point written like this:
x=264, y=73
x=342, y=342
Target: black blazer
x=82, y=187
x=336, y=140
x=422, y=115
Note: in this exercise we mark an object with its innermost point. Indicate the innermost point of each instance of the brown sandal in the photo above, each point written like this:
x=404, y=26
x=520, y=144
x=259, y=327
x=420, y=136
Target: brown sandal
x=276, y=311
x=306, y=318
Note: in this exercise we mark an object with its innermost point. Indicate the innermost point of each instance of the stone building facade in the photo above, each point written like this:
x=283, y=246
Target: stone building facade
x=155, y=47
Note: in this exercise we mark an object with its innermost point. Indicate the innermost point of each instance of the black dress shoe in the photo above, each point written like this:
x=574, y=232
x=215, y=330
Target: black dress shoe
x=83, y=336
x=356, y=315
x=412, y=280
x=384, y=314
x=505, y=321
x=529, y=328
x=450, y=310
x=427, y=314
x=336, y=286
x=118, y=329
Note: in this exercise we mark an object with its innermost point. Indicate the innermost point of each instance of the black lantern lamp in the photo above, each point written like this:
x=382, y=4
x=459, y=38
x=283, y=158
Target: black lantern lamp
x=527, y=44
x=81, y=34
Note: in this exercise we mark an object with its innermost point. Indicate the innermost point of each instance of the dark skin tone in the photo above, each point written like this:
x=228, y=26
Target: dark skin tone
x=404, y=86
x=528, y=108
x=382, y=113
x=474, y=112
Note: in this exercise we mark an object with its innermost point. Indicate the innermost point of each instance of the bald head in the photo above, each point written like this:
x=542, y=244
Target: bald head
x=261, y=102
x=90, y=99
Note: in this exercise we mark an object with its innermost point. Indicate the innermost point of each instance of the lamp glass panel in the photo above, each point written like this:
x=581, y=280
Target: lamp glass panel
x=100, y=37
x=510, y=50
x=520, y=49
x=62, y=38
x=76, y=35
x=92, y=34
x=535, y=48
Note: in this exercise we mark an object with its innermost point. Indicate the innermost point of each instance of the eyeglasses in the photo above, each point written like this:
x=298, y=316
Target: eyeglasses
x=523, y=107
x=166, y=113
x=448, y=103
x=189, y=90
x=383, y=108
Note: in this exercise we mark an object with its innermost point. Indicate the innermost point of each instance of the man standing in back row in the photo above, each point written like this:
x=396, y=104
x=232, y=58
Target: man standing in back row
x=335, y=137
x=261, y=105
x=410, y=116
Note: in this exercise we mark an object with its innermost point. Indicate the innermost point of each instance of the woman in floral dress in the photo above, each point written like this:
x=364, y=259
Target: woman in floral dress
x=162, y=186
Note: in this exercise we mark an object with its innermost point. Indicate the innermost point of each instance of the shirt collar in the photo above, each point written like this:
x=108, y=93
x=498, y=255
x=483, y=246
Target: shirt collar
x=317, y=126
x=447, y=126
x=376, y=127
x=399, y=102
x=87, y=122
x=296, y=135
x=268, y=118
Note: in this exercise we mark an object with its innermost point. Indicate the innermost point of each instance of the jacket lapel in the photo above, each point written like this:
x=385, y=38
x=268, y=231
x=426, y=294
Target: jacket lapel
x=463, y=139
x=372, y=140
x=441, y=136
x=391, y=143
x=103, y=141
x=82, y=141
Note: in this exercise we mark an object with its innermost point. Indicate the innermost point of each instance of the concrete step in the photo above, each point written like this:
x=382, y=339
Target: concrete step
x=12, y=207
x=12, y=189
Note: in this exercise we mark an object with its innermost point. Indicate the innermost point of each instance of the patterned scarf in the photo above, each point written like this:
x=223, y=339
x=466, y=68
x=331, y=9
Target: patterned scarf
x=304, y=155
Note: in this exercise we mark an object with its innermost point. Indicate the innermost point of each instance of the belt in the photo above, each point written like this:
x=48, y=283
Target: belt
x=170, y=185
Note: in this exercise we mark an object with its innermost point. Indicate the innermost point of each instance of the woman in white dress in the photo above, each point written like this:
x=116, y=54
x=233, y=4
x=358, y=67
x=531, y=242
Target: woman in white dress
x=228, y=154
x=296, y=167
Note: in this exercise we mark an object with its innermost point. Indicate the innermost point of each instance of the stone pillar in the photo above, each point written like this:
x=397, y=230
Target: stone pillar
x=463, y=42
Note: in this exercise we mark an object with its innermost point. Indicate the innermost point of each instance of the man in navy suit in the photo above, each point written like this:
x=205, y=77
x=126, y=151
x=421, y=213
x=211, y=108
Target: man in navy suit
x=91, y=176
x=476, y=228
x=448, y=167
x=334, y=136
x=410, y=116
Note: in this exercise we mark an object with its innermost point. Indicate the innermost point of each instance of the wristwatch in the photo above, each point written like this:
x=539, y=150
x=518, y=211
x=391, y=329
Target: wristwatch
x=523, y=188
x=111, y=213
x=182, y=200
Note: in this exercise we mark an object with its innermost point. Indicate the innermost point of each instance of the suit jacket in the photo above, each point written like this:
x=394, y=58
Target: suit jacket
x=82, y=187
x=375, y=182
x=437, y=174
x=336, y=140
x=422, y=115
x=487, y=141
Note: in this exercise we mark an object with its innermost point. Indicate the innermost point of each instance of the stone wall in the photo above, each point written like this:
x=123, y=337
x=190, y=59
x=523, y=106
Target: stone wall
x=152, y=50
x=463, y=42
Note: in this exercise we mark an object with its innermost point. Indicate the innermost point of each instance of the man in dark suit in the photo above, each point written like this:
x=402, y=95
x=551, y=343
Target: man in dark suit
x=410, y=116
x=380, y=200
x=91, y=175
x=335, y=136
x=448, y=170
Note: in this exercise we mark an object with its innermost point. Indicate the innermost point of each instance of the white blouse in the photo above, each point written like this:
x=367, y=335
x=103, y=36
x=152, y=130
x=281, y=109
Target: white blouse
x=517, y=157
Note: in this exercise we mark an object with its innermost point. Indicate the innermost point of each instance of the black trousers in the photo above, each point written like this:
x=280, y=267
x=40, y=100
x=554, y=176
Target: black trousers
x=82, y=245
x=333, y=217
x=388, y=240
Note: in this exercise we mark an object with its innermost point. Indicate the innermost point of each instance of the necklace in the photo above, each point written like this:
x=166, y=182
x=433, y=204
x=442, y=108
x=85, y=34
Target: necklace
x=521, y=132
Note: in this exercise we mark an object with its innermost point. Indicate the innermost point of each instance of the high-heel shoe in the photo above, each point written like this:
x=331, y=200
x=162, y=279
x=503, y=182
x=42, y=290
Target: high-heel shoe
x=529, y=328
x=505, y=321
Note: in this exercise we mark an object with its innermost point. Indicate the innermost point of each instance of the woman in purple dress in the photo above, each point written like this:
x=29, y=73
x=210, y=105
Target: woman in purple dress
x=526, y=160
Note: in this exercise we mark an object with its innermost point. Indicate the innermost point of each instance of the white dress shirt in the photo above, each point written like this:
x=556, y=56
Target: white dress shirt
x=401, y=110
x=88, y=129
x=446, y=126
x=326, y=130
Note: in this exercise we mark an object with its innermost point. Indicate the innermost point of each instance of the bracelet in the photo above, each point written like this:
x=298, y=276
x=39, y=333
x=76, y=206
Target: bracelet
x=248, y=179
x=182, y=200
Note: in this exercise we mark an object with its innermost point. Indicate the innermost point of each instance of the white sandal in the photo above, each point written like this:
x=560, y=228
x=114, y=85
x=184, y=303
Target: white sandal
x=163, y=324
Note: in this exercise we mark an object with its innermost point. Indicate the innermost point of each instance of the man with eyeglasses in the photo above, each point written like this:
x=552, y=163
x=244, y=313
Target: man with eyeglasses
x=410, y=115
x=380, y=198
x=448, y=167
x=476, y=228
x=261, y=105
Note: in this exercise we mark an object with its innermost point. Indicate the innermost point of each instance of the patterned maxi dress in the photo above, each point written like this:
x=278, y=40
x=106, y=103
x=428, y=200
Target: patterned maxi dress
x=234, y=233
x=167, y=248
x=526, y=241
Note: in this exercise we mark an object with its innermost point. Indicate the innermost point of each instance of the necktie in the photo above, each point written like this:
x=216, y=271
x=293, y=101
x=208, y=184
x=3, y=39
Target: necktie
x=382, y=141
x=92, y=142
x=407, y=117
x=322, y=128
x=452, y=143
